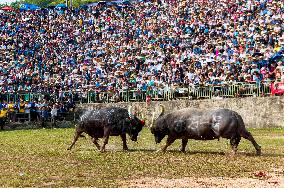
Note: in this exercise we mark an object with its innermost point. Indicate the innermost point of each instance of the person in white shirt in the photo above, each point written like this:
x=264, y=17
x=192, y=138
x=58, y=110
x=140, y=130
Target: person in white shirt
x=53, y=112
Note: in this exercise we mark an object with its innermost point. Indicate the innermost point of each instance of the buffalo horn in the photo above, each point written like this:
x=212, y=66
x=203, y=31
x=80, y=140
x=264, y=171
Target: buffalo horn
x=162, y=110
x=153, y=119
x=129, y=112
x=161, y=114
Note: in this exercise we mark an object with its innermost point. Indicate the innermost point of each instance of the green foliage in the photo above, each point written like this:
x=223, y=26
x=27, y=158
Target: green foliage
x=77, y=3
x=37, y=158
x=40, y=3
x=16, y=4
x=46, y=3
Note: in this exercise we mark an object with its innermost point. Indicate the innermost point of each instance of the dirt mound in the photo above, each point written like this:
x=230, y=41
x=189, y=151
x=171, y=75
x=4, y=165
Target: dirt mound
x=260, y=180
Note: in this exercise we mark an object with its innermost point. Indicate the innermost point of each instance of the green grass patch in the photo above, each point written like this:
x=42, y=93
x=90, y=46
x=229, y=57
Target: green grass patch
x=40, y=158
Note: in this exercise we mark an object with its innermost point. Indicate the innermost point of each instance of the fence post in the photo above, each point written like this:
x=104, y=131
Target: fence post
x=127, y=95
x=88, y=96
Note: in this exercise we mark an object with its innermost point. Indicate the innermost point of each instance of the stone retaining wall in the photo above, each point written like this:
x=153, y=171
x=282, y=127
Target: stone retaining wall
x=257, y=112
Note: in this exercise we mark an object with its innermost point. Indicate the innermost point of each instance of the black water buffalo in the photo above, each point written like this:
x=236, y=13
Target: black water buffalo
x=201, y=125
x=111, y=121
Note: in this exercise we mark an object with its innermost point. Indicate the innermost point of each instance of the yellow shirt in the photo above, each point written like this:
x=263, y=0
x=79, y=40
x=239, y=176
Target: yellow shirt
x=11, y=107
x=3, y=113
x=277, y=49
x=22, y=108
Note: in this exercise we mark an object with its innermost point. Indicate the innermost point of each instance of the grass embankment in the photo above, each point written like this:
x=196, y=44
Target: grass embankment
x=39, y=158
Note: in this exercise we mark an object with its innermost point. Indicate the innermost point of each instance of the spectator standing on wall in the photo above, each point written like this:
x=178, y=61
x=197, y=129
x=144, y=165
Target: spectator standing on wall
x=148, y=96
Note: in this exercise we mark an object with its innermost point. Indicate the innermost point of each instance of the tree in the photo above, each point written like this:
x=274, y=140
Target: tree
x=16, y=4
x=40, y=3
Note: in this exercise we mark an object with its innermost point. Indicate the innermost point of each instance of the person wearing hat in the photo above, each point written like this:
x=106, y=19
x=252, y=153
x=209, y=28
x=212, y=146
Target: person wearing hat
x=254, y=68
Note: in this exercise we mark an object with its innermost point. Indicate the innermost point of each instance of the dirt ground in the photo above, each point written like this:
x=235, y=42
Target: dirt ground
x=259, y=180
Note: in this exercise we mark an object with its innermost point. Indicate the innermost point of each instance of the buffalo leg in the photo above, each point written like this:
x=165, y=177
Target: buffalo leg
x=247, y=135
x=234, y=141
x=77, y=135
x=183, y=145
x=95, y=141
x=123, y=138
x=106, y=137
x=170, y=140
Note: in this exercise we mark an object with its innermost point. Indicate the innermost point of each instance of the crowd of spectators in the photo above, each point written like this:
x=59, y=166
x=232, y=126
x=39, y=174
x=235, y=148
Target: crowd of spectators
x=143, y=45
x=36, y=110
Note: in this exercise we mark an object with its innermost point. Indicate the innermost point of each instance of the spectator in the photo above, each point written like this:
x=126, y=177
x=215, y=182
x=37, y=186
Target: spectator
x=21, y=106
x=33, y=110
x=70, y=105
x=12, y=111
x=53, y=112
x=44, y=115
x=3, y=114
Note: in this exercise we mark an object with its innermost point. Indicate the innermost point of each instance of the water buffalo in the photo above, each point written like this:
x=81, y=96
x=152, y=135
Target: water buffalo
x=200, y=125
x=111, y=121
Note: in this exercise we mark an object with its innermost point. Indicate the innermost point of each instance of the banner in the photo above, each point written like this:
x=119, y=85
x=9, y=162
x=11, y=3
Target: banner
x=277, y=88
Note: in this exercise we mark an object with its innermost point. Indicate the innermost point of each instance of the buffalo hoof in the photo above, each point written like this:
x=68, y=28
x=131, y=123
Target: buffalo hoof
x=102, y=150
x=125, y=149
x=98, y=148
x=258, y=152
x=233, y=152
x=182, y=151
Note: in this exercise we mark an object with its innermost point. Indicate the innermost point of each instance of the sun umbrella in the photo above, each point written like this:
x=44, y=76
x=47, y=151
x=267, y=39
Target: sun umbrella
x=276, y=57
x=60, y=6
x=7, y=8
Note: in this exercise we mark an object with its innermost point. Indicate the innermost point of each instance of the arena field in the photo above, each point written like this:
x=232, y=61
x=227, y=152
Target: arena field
x=38, y=158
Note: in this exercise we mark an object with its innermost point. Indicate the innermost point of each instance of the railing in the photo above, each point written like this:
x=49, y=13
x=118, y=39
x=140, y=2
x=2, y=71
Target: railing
x=24, y=116
x=191, y=92
x=160, y=94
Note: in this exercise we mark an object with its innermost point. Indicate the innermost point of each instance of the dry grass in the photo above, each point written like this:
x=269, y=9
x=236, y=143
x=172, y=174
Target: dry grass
x=39, y=158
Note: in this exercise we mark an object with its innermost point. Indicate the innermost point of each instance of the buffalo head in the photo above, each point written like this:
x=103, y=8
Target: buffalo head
x=158, y=134
x=136, y=125
x=157, y=128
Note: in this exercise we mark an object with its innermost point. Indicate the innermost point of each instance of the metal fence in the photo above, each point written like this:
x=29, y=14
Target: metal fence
x=159, y=94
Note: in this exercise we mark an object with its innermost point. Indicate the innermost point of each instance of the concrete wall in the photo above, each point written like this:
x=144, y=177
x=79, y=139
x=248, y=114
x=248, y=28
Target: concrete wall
x=257, y=112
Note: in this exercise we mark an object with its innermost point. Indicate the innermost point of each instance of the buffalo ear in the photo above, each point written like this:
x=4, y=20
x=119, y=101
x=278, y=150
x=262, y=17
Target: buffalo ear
x=127, y=120
x=142, y=122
